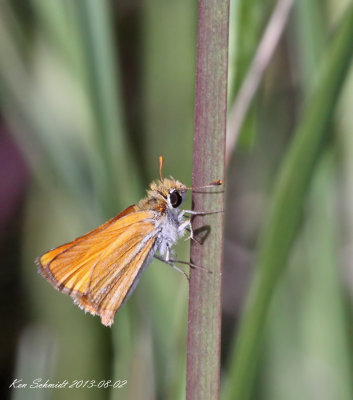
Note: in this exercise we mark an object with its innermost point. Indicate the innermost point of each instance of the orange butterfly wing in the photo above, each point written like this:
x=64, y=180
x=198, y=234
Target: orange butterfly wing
x=98, y=270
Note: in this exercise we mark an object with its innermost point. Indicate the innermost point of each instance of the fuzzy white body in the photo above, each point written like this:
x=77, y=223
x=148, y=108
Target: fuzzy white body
x=170, y=229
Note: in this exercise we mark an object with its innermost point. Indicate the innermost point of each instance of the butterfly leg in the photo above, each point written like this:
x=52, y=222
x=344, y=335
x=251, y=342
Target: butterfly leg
x=186, y=225
x=191, y=212
x=172, y=265
x=191, y=265
x=191, y=236
x=171, y=262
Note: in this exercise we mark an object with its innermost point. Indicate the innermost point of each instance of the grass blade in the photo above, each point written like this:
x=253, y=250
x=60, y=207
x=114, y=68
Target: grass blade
x=285, y=209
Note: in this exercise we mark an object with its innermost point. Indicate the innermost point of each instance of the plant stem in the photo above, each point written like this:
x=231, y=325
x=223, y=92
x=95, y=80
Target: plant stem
x=203, y=355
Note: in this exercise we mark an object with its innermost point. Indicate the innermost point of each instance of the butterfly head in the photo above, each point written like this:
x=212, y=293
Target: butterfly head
x=168, y=193
x=169, y=190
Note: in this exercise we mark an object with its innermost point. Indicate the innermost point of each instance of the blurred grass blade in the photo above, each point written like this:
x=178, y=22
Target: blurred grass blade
x=167, y=80
x=307, y=345
x=308, y=24
x=20, y=107
x=259, y=64
x=247, y=22
x=36, y=357
x=103, y=88
x=247, y=19
x=54, y=22
x=285, y=209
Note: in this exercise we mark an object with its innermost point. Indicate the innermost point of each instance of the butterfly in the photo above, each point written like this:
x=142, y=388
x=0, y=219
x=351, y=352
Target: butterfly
x=101, y=269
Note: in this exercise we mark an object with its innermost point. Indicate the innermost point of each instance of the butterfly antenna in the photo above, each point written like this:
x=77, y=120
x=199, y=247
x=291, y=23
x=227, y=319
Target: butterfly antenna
x=216, y=182
x=161, y=162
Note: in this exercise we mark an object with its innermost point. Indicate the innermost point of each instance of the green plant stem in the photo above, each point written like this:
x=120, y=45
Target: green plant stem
x=203, y=355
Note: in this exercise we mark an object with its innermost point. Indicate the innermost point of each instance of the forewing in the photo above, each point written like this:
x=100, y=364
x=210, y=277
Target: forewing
x=93, y=265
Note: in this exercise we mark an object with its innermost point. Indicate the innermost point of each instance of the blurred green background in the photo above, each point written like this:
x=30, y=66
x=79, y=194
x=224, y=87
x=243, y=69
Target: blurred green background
x=92, y=92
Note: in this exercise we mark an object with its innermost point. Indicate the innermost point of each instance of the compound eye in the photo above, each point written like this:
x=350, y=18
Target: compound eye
x=175, y=199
